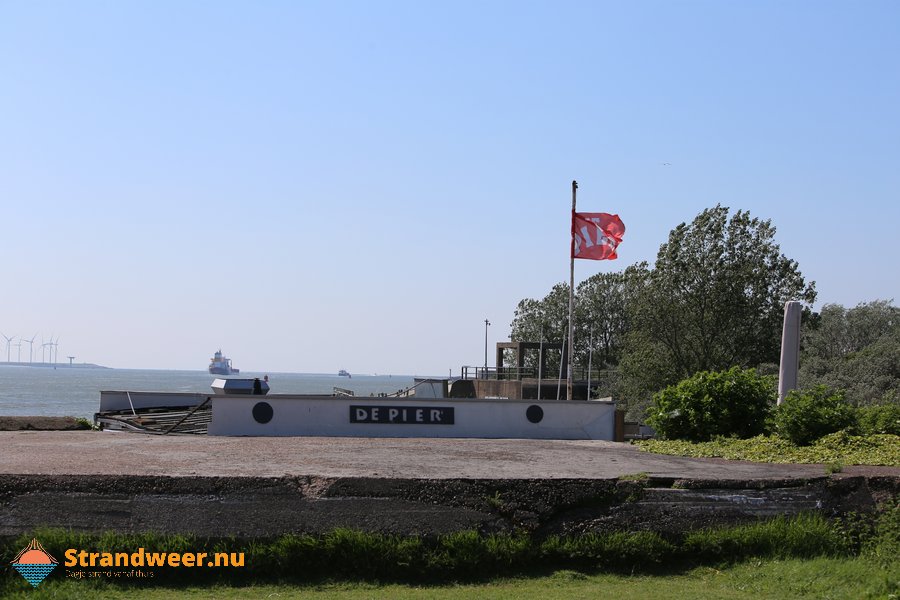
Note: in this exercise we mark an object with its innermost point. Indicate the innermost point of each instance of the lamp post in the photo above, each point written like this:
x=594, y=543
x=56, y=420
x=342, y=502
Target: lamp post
x=486, y=325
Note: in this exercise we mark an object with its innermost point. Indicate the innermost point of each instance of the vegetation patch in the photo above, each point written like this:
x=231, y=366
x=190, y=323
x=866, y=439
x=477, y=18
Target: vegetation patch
x=345, y=555
x=754, y=579
x=808, y=415
x=837, y=448
x=880, y=419
x=732, y=402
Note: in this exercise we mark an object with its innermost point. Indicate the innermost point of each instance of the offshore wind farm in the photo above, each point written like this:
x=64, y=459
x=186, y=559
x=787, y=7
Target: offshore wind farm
x=49, y=354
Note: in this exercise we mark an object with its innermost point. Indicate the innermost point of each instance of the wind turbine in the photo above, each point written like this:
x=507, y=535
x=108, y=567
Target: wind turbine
x=31, y=345
x=56, y=349
x=47, y=345
x=19, y=346
x=8, y=341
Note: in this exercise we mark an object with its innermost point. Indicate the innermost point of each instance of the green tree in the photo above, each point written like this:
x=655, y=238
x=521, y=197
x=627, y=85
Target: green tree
x=602, y=304
x=547, y=317
x=715, y=297
x=601, y=318
x=856, y=350
x=836, y=331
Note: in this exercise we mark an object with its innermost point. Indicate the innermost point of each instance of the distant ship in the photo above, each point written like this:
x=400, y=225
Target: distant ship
x=219, y=365
x=344, y=373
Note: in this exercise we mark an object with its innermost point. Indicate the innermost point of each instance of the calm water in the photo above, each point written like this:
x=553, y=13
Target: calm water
x=41, y=391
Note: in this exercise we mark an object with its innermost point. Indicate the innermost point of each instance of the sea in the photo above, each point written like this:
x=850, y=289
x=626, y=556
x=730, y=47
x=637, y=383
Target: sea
x=75, y=392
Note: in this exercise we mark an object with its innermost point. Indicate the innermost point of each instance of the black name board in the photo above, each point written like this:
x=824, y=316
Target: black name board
x=403, y=415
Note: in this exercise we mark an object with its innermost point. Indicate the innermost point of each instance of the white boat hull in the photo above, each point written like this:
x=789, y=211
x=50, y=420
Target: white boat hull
x=286, y=415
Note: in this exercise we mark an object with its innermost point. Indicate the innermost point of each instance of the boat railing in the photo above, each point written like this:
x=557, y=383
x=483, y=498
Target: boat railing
x=401, y=393
x=497, y=373
x=515, y=373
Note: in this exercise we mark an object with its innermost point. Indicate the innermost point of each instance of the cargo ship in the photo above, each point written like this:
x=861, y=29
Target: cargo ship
x=220, y=365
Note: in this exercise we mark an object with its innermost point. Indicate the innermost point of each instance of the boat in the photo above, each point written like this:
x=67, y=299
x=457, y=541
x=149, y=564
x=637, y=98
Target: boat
x=344, y=373
x=220, y=365
x=244, y=407
x=508, y=407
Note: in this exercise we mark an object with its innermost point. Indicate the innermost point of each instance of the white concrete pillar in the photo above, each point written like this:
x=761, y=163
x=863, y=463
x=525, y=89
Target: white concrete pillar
x=790, y=350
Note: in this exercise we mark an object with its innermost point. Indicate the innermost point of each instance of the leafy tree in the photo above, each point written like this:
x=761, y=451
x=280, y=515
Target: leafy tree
x=548, y=317
x=645, y=369
x=856, y=350
x=601, y=314
x=601, y=318
x=715, y=297
x=836, y=331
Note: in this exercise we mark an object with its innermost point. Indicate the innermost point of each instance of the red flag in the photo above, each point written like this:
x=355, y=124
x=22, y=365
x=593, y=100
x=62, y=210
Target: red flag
x=596, y=236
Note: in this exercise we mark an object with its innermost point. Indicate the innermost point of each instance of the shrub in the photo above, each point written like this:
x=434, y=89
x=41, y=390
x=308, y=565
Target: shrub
x=726, y=403
x=884, y=542
x=879, y=419
x=806, y=415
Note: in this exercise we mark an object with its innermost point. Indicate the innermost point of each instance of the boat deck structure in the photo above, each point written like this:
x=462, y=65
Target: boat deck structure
x=241, y=408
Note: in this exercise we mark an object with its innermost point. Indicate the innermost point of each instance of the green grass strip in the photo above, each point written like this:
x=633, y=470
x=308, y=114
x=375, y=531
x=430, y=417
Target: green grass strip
x=347, y=555
x=835, y=579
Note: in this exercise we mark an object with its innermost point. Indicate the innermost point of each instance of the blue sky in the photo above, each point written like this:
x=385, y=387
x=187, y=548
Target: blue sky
x=321, y=185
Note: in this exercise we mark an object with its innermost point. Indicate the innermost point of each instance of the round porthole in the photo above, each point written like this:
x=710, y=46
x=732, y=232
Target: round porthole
x=534, y=413
x=262, y=412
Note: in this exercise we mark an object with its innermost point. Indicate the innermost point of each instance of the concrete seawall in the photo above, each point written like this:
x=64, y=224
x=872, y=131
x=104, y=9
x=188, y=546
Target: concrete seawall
x=260, y=487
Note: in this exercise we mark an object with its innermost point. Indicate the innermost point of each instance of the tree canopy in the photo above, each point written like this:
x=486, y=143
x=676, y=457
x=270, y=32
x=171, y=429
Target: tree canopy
x=601, y=316
x=856, y=350
x=714, y=299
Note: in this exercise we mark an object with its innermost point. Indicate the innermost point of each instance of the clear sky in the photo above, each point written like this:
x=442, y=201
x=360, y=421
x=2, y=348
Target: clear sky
x=357, y=184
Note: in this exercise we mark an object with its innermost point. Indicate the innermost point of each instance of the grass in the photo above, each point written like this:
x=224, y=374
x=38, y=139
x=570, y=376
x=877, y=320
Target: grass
x=855, y=578
x=834, y=467
x=839, y=448
x=348, y=555
x=856, y=556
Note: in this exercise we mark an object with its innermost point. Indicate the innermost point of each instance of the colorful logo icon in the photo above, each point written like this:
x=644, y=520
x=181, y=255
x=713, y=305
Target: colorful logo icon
x=34, y=563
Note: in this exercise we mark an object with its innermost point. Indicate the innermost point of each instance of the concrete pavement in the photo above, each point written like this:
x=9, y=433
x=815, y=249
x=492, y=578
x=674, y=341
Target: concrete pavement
x=250, y=487
x=105, y=453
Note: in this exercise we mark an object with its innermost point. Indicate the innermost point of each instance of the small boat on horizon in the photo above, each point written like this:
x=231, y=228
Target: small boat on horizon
x=344, y=373
x=220, y=365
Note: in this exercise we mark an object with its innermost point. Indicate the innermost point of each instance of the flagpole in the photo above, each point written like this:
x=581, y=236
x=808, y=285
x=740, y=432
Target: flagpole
x=590, y=361
x=571, y=296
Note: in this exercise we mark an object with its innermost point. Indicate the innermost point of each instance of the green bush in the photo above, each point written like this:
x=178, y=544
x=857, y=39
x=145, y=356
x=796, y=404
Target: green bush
x=806, y=415
x=725, y=403
x=879, y=419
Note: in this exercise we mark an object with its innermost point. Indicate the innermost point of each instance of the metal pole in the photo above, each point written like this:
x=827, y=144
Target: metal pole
x=590, y=358
x=540, y=361
x=486, y=325
x=561, y=353
x=571, y=295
